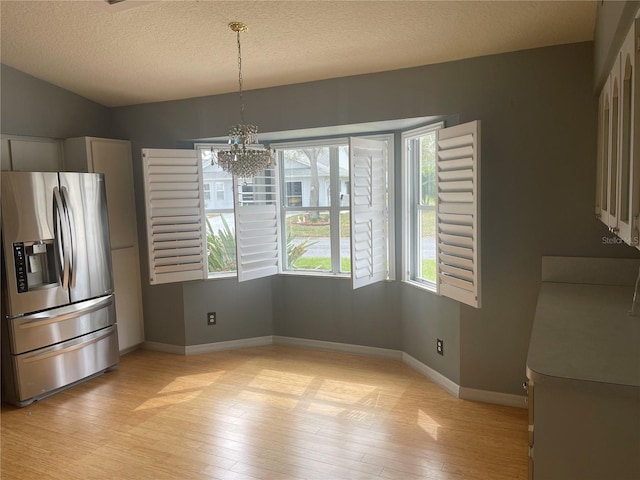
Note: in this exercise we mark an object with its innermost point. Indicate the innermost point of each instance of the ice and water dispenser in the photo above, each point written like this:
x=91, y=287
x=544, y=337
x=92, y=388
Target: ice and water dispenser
x=34, y=265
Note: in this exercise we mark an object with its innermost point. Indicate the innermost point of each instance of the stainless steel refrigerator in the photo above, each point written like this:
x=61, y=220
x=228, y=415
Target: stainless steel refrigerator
x=58, y=312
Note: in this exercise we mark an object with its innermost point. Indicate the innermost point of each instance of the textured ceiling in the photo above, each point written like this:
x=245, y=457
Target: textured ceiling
x=147, y=51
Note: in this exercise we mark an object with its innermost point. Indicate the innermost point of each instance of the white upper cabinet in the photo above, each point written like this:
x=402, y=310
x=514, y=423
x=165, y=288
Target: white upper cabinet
x=31, y=154
x=629, y=137
x=618, y=173
x=113, y=159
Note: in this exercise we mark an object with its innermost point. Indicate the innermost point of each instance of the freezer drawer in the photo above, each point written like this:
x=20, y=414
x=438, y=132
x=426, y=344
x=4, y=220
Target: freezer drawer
x=41, y=371
x=39, y=330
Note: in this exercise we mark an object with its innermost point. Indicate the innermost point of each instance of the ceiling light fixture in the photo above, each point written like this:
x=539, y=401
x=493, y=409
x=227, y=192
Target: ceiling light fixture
x=244, y=158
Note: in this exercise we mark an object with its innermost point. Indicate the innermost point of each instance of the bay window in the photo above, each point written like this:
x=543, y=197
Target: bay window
x=322, y=209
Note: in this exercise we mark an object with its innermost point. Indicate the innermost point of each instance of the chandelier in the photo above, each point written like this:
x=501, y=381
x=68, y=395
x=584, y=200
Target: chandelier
x=243, y=158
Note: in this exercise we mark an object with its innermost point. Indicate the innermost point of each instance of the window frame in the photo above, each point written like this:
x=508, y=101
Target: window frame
x=221, y=211
x=412, y=207
x=335, y=208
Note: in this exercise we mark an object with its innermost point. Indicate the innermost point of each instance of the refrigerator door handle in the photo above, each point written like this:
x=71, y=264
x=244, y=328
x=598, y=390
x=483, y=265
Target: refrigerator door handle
x=65, y=313
x=72, y=236
x=61, y=237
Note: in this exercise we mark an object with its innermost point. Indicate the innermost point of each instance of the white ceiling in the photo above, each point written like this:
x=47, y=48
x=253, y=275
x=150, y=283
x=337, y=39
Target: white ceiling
x=147, y=51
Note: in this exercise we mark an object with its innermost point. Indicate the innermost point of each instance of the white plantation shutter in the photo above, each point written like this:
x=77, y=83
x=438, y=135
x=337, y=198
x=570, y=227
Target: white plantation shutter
x=257, y=225
x=458, y=211
x=176, y=233
x=368, y=172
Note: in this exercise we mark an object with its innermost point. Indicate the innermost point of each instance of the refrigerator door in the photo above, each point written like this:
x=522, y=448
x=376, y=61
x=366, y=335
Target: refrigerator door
x=85, y=201
x=33, y=257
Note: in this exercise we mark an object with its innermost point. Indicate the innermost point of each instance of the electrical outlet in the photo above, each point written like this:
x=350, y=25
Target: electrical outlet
x=440, y=346
x=211, y=318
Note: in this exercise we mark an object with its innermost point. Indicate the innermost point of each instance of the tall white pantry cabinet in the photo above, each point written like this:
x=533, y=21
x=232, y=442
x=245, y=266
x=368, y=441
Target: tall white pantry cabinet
x=113, y=159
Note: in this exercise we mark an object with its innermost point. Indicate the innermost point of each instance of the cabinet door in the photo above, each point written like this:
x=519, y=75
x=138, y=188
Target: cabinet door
x=126, y=281
x=34, y=155
x=628, y=196
x=613, y=160
x=601, y=153
x=602, y=188
x=113, y=159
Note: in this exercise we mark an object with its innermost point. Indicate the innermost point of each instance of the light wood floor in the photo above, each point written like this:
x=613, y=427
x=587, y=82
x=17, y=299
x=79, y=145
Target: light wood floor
x=268, y=413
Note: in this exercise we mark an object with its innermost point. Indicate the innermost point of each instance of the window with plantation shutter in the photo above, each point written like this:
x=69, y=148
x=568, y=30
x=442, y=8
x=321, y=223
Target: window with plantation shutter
x=368, y=211
x=176, y=234
x=458, y=210
x=257, y=225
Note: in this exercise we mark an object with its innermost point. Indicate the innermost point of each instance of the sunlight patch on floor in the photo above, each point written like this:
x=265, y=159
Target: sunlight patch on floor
x=190, y=382
x=267, y=398
x=343, y=392
x=281, y=382
x=168, y=400
x=428, y=424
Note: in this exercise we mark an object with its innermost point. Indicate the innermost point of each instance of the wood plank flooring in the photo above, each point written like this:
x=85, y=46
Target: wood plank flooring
x=269, y=412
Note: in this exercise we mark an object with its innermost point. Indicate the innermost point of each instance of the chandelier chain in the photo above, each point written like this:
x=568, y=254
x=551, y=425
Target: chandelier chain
x=242, y=159
x=240, y=78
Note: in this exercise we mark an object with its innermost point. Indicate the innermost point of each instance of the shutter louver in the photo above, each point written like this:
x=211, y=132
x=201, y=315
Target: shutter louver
x=176, y=233
x=458, y=209
x=369, y=262
x=257, y=226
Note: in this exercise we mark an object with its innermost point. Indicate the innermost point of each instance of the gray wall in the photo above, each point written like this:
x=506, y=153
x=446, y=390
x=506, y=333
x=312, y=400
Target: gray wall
x=328, y=309
x=32, y=107
x=243, y=310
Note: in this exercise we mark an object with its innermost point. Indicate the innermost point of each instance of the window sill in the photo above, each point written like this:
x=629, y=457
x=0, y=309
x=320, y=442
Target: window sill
x=428, y=287
x=290, y=273
x=225, y=276
x=222, y=276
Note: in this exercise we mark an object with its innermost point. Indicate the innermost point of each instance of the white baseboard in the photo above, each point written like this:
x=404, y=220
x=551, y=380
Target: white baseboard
x=436, y=377
x=338, y=347
x=164, y=347
x=498, y=398
x=124, y=351
x=433, y=375
x=228, y=345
